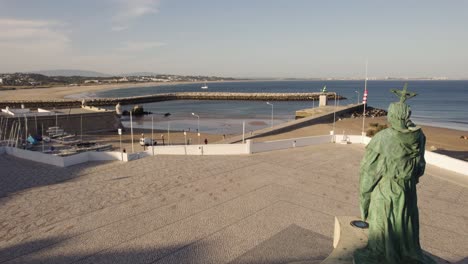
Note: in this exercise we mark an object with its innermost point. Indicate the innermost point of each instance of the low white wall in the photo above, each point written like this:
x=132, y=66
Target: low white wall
x=35, y=156
x=446, y=162
x=74, y=159
x=211, y=149
x=289, y=143
x=442, y=161
x=62, y=161
x=107, y=155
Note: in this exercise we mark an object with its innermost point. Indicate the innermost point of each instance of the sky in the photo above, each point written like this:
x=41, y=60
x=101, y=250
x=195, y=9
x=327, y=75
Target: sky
x=237, y=38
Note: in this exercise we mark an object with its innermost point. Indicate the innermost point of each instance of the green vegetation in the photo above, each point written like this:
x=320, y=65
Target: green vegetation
x=375, y=128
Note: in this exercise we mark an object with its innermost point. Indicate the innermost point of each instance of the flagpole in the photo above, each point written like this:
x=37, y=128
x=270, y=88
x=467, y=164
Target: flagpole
x=364, y=101
x=131, y=130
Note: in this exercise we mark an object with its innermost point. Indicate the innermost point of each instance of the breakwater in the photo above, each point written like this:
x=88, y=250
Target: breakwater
x=67, y=103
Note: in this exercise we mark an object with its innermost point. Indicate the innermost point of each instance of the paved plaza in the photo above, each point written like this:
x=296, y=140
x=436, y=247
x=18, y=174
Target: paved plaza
x=275, y=207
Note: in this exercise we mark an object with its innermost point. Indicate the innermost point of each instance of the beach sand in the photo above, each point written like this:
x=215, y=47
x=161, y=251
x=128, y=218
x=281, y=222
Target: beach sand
x=77, y=92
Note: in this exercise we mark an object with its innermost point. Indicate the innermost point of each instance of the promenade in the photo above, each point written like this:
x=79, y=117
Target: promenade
x=274, y=207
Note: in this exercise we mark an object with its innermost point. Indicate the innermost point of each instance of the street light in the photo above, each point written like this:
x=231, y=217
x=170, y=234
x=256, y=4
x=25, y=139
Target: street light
x=357, y=96
x=198, y=126
x=268, y=103
x=334, y=118
x=168, y=128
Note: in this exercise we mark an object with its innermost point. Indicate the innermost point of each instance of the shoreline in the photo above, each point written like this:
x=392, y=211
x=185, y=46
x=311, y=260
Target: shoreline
x=64, y=92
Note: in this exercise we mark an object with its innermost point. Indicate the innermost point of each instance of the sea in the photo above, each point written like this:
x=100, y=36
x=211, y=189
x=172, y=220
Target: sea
x=438, y=103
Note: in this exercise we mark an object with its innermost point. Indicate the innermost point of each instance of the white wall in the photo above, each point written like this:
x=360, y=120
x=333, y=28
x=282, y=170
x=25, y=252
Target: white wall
x=106, y=155
x=289, y=143
x=432, y=158
x=62, y=161
x=446, y=162
x=74, y=159
x=211, y=149
x=35, y=156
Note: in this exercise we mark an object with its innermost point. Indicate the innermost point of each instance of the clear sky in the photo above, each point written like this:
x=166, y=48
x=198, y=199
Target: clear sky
x=239, y=38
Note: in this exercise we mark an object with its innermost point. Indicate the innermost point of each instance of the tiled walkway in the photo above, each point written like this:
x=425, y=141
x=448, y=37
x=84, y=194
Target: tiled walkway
x=275, y=207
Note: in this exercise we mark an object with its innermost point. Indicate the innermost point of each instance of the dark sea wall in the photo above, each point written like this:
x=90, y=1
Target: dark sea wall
x=166, y=97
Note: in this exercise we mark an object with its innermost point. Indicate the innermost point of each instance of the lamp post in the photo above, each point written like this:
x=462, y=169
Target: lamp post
x=168, y=128
x=268, y=103
x=357, y=96
x=334, y=118
x=198, y=126
x=152, y=134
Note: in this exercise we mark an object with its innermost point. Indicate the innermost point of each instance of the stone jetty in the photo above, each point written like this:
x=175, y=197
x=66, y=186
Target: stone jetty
x=66, y=103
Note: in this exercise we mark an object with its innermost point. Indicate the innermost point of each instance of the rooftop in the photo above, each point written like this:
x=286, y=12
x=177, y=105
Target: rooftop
x=273, y=207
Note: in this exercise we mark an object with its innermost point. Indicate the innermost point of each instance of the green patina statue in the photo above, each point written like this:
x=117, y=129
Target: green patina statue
x=390, y=170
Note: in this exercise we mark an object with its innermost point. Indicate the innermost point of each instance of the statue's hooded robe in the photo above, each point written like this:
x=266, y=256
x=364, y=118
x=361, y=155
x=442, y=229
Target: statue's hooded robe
x=390, y=170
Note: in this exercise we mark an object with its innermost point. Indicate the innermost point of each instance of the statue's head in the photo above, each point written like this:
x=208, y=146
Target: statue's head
x=398, y=115
x=399, y=112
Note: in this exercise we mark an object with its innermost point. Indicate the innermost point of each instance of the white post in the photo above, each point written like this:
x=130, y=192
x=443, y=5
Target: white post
x=168, y=132
x=334, y=119
x=81, y=127
x=42, y=132
x=56, y=123
x=152, y=134
x=268, y=103
x=357, y=96
x=198, y=126
x=131, y=131
x=120, y=138
x=185, y=141
x=35, y=122
x=243, y=131
x=26, y=128
x=364, y=104
x=18, y=135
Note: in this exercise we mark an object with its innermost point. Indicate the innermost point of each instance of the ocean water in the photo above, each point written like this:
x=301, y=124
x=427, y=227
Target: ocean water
x=439, y=103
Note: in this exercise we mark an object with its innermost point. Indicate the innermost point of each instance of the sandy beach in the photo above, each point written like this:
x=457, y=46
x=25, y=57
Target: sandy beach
x=83, y=91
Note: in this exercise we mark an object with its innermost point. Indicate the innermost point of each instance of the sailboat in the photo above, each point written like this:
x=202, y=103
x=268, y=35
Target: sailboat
x=204, y=86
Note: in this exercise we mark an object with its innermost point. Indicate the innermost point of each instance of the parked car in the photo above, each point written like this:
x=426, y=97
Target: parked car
x=147, y=142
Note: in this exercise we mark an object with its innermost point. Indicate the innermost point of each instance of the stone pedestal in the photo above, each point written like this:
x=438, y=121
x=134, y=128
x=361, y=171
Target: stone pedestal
x=323, y=100
x=346, y=239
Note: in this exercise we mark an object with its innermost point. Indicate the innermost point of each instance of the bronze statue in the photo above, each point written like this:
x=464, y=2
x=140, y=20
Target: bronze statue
x=390, y=170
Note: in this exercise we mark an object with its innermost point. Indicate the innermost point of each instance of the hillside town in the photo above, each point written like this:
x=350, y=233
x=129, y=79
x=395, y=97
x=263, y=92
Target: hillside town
x=34, y=79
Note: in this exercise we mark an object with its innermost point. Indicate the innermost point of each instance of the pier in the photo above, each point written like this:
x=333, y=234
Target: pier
x=67, y=103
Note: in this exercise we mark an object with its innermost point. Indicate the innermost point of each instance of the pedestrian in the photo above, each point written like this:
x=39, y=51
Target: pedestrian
x=206, y=141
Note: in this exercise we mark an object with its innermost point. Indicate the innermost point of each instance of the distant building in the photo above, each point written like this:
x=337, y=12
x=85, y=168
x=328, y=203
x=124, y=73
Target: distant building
x=91, y=81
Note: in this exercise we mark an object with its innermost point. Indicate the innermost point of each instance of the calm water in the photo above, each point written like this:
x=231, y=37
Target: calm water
x=439, y=103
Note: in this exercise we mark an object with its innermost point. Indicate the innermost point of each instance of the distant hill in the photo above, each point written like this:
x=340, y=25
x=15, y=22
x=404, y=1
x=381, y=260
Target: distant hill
x=68, y=73
x=139, y=74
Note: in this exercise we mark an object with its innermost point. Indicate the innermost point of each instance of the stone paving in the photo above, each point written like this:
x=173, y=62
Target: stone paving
x=275, y=207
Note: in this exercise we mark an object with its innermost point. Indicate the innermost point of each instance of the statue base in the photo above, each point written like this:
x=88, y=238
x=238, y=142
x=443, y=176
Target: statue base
x=346, y=239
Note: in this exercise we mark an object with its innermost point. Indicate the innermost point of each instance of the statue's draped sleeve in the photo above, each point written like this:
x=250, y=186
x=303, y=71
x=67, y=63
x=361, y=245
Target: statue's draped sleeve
x=370, y=175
